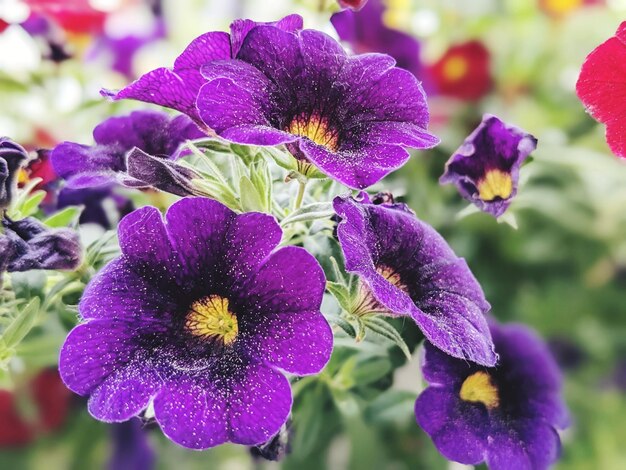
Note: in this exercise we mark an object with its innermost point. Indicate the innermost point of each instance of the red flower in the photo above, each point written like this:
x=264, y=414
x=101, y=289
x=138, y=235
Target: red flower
x=50, y=400
x=601, y=87
x=355, y=5
x=463, y=71
x=75, y=16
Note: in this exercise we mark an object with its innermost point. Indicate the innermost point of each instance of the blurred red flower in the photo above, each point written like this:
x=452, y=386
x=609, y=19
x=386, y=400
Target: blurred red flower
x=50, y=400
x=352, y=4
x=76, y=16
x=463, y=71
x=601, y=87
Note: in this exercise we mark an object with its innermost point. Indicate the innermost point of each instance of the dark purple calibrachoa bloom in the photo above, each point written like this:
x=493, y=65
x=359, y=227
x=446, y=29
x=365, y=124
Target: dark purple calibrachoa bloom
x=485, y=169
x=407, y=268
x=178, y=87
x=351, y=116
x=199, y=315
x=154, y=133
x=505, y=415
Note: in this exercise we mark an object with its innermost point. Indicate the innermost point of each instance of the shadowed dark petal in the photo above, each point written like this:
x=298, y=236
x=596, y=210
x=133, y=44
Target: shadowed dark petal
x=145, y=170
x=533, y=445
x=177, y=88
x=399, y=257
x=93, y=351
x=118, y=291
x=245, y=405
x=35, y=246
x=359, y=167
x=286, y=329
x=125, y=392
x=70, y=159
x=145, y=242
x=485, y=169
x=12, y=157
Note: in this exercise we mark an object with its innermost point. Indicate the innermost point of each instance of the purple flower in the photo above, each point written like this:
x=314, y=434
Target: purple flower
x=199, y=315
x=365, y=31
x=485, y=169
x=12, y=158
x=178, y=87
x=28, y=244
x=407, y=269
x=351, y=116
x=504, y=415
x=155, y=134
x=131, y=449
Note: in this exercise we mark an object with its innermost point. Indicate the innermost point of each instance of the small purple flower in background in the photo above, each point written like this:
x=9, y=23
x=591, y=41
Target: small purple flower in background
x=199, y=315
x=504, y=415
x=178, y=87
x=408, y=269
x=131, y=449
x=157, y=135
x=485, y=169
x=366, y=31
x=12, y=157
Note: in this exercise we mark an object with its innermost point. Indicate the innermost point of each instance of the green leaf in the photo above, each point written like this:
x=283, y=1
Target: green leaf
x=31, y=205
x=318, y=210
x=262, y=179
x=249, y=196
x=64, y=218
x=340, y=292
x=21, y=324
x=346, y=326
x=381, y=327
x=371, y=370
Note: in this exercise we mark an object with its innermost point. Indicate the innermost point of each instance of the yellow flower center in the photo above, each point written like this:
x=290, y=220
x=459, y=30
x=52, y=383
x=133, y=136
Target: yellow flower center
x=391, y=275
x=455, y=68
x=315, y=128
x=495, y=183
x=479, y=388
x=559, y=7
x=209, y=317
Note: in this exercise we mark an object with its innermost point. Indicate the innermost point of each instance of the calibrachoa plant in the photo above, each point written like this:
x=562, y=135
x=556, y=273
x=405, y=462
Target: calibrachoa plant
x=268, y=252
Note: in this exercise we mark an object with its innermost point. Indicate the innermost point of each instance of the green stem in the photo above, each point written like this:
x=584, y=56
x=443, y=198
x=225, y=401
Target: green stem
x=300, y=195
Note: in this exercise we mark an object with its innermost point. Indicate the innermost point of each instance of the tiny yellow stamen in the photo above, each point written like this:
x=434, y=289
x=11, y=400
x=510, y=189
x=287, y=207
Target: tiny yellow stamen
x=479, y=388
x=22, y=176
x=496, y=183
x=209, y=317
x=455, y=68
x=316, y=128
x=391, y=275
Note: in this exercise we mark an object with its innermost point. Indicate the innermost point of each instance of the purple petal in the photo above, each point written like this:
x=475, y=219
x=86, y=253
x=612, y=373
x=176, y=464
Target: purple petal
x=459, y=432
x=287, y=329
x=239, y=29
x=93, y=351
x=247, y=406
x=145, y=242
x=125, y=392
x=358, y=168
x=118, y=291
x=177, y=88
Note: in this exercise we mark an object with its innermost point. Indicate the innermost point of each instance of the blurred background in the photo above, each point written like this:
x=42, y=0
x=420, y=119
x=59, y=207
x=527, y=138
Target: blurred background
x=557, y=262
